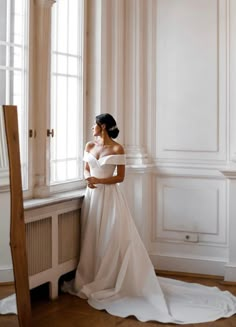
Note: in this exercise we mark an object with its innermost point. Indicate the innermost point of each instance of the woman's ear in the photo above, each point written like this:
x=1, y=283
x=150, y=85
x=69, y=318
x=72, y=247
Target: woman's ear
x=103, y=126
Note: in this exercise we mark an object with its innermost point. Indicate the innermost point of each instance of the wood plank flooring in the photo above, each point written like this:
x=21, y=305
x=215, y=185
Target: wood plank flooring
x=7, y=320
x=70, y=311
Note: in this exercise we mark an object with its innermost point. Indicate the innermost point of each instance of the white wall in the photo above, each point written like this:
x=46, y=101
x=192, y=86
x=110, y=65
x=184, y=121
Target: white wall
x=6, y=273
x=192, y=222
x=177, y=120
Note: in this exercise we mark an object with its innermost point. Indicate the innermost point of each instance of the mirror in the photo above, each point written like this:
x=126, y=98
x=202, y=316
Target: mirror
x=14, y=290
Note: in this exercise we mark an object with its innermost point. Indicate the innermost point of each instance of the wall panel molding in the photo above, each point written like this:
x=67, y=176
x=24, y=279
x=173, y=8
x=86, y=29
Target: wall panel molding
x=190, y=209
x=192, y=265
x=192, y=79
x=232, y=78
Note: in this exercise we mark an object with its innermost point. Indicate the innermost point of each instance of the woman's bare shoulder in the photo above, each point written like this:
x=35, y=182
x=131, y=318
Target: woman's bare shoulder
x=89, y=146
x=118, y=148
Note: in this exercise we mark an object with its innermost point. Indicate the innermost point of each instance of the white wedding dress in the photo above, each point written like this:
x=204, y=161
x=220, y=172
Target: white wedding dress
x=8, y=305
x=115, y=272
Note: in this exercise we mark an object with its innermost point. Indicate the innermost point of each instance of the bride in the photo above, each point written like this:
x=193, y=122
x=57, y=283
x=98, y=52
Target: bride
x=115, y=272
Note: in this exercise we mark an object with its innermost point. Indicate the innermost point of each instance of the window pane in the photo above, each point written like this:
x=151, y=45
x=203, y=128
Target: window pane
x=18, y=87
x=62, y=25
x=72, y=168
x=73, y=66
x=72, y=124
x=2, y=55
x=67, y=91
x=61, y=171
x=61, y=64
x=72, y=26
x=14, y=67
x=3, y=20
x=3, y=86
x=17, y=57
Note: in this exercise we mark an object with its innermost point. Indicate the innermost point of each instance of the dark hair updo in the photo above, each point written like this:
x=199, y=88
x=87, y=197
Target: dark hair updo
x=110, y=123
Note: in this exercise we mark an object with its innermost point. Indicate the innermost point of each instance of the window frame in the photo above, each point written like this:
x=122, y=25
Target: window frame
x=10, y=44
x=45, y=189
x=56, y=74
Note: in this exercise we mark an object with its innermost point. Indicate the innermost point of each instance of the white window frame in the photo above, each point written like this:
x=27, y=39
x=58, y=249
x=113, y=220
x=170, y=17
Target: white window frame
x=55, y=74
x=40, y=119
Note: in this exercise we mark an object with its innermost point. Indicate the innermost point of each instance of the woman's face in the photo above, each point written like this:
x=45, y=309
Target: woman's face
x=96, y=129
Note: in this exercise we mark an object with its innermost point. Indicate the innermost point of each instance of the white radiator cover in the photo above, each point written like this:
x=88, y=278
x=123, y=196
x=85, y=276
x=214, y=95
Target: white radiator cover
x=52, y=242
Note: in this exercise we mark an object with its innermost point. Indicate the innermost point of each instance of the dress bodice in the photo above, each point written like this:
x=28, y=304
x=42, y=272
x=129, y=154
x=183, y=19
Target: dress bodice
x=103, y=167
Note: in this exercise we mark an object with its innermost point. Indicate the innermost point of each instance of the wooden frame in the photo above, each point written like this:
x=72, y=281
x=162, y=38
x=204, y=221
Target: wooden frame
x=17, y=226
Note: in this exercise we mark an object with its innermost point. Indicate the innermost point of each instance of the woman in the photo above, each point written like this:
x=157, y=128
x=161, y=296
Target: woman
x=115, y=272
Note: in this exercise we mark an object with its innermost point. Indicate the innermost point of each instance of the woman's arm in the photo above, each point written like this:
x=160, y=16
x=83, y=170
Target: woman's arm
x=87, y=176
x=86, y=171
x=118, y=178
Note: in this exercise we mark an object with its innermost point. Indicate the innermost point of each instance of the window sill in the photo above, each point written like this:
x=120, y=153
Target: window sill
x=53, y=199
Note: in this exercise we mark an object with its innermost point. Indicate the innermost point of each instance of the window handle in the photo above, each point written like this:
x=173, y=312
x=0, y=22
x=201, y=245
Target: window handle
x=32, y=133
x=50, y=132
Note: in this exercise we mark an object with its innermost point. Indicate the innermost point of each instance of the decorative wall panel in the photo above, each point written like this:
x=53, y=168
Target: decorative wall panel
x=191, y=79
x=191, y=210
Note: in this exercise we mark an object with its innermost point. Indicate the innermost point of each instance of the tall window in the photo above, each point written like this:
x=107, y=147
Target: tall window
x=67, y=90
x=14, y=67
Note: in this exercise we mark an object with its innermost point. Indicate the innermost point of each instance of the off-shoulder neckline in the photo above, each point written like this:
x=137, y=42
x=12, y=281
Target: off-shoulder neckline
x=108, y=155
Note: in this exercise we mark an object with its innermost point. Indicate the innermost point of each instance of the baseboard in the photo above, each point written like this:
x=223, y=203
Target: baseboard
x=186, y=274
x=6, y=275
x=197, y=266
x=230, y=273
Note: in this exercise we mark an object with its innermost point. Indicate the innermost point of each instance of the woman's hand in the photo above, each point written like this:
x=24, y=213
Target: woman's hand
x=91, y=185
x=92, y=181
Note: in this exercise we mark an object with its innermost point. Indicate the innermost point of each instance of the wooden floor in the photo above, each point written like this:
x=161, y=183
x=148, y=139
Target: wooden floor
x=70, y=311
x=7, y=320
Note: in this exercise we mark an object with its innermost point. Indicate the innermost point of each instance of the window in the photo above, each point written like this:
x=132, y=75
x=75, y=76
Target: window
x=55, y=162
x=14, y=68
x=67, y=48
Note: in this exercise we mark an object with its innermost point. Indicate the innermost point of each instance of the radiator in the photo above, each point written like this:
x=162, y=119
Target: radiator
x=52, y=242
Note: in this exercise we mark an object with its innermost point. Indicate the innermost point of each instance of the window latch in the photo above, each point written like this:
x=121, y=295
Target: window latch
x=50, y=132
x=32, y=133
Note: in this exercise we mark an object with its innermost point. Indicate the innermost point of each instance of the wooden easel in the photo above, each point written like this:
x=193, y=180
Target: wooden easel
x=17, y=226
